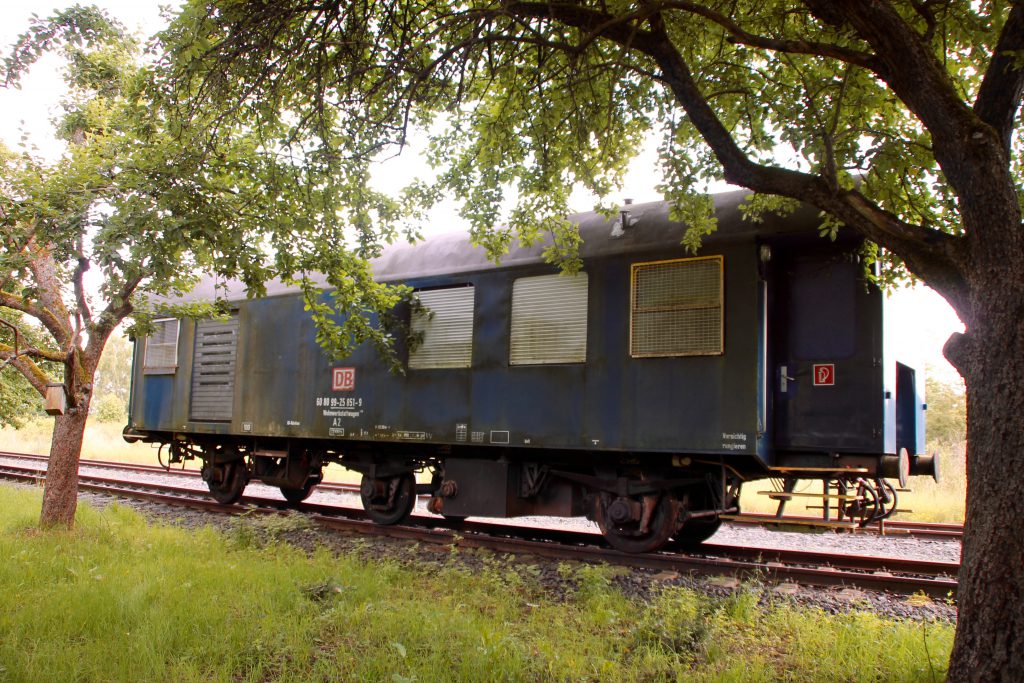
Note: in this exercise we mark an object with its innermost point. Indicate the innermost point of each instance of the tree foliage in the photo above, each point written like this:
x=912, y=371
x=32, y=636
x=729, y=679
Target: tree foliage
x=143, y=204
x=18, y=399
x=947, y=412
x=539, y=97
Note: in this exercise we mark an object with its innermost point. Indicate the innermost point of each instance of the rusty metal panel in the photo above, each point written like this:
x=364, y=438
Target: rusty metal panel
x=213, y=370
x=549, y=320
x=484, y=487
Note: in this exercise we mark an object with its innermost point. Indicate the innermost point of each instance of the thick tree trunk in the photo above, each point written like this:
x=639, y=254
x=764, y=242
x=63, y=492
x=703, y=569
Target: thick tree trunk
x=989, y=642
x=60, y=493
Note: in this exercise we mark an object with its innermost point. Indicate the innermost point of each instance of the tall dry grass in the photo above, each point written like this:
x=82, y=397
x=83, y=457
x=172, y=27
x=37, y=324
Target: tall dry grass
x=102, y=441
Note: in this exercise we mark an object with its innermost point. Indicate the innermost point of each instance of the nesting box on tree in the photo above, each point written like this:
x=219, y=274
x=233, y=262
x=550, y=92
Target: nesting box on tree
x=56, y=402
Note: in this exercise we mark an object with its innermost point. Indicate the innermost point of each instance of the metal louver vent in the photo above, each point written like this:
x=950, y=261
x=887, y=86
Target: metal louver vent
x=162, y=348
x=447, y=328
x=213, y=370
x=677, y=308
x=549, y=320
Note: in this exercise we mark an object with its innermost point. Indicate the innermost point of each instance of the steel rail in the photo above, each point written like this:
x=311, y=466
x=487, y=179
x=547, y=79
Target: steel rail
x=888, y=526
x=157, y=469
x=818, y=569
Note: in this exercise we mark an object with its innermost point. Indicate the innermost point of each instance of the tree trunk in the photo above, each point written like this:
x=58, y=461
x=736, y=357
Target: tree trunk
x=989, y=643
x=60, y=493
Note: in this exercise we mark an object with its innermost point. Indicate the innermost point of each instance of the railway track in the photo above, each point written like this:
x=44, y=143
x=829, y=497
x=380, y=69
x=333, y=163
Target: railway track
x=891, y=527
x=900, y=575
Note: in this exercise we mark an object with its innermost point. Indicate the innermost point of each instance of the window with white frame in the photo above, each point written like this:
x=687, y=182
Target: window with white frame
x=161, y=355
x=444, y=321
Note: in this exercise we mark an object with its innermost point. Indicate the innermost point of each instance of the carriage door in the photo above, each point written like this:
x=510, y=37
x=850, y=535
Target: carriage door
x=213, y=370
x=823, y=342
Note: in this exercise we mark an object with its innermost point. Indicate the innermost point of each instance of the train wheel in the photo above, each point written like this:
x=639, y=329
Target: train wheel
x=226, y=481
x=693, y=532
x=696, y=531
x=389, y=500
x=637, y=525
x=298, y=495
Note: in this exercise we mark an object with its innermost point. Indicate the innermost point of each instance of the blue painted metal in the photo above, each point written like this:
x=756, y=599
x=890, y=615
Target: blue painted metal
x=809, y=305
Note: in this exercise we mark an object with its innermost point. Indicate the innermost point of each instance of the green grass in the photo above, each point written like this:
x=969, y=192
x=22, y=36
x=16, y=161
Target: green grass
x=117, y=599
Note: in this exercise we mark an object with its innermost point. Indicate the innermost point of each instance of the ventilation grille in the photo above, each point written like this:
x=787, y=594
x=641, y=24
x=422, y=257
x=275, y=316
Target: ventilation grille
x=447, y=328
x=677, y=308
x=213, y=370
x=162, y=348
x=549, y=320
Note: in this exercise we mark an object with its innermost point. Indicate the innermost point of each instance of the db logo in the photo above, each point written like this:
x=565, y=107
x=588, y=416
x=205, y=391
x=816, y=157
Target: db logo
x=343, y=379
x=824, y=375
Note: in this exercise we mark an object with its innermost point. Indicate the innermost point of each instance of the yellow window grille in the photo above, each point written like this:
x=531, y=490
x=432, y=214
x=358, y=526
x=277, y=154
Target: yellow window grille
x=676, y=308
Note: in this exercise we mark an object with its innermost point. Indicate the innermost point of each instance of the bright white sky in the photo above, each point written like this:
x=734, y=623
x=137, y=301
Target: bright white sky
x=924, y=319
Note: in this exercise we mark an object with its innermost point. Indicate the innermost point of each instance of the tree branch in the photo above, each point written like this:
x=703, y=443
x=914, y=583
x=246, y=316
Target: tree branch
x=119, y=308
x=1000, y=94
x=738, y=35
x=7, y=352
x=928, y=253
x=44, y=271
x=32, y=372
x=77, y=278
x=52, y=324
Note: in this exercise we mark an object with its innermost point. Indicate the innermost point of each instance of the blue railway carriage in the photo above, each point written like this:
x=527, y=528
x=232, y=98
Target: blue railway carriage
x=641, y=392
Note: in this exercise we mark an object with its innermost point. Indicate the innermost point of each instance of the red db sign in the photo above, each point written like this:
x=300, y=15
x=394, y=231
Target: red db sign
x=343, y=379
x=824, y=374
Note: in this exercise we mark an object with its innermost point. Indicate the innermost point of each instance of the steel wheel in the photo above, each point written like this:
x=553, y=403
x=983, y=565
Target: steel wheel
x=632, y=536
x=693, y=532
x=227, y=481
x=388, y=501
x=696, y=531
x=298, y=495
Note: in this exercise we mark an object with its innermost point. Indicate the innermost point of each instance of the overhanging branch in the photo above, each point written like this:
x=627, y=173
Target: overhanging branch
x=736, y=34
x=1000, y=94
x=32, y=372
x=930, y=254
x=53, y=325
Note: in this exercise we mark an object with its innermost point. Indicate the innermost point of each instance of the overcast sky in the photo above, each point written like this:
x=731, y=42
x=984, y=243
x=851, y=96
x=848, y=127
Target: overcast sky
x=923, y=319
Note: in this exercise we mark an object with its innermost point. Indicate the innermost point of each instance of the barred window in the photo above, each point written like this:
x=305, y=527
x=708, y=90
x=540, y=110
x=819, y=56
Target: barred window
x=676, y=308
x=446, y=325
x=549, y=320
x=161, y=357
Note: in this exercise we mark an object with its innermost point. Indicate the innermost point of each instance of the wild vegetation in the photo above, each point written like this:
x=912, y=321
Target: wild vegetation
x=208, y=606
x=143, y=206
